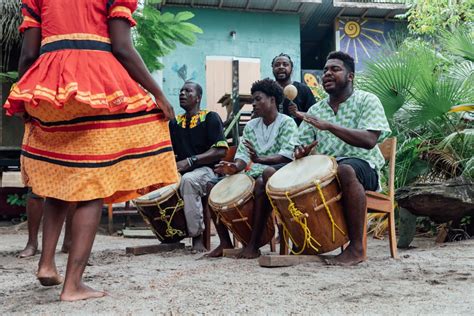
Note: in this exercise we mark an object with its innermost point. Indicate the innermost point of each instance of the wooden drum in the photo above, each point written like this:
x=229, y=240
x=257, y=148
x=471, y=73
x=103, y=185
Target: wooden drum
x=163, y=211
x=232, y=200
x=307, y=196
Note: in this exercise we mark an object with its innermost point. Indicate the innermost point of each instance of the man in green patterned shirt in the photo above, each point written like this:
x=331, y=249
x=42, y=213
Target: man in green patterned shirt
x=267, y=143
x=347, y=125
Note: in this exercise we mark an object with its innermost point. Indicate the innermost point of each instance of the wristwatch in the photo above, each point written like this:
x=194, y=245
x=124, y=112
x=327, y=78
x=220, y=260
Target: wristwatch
x=192, y=160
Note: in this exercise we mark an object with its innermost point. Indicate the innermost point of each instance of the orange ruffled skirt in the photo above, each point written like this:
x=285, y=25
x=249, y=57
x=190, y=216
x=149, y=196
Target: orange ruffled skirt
x=80, y=153
x=95, y=78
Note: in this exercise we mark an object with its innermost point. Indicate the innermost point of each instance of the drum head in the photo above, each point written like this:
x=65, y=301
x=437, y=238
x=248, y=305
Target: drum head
x=160, y=195
x=231, y=189
x=301, y=173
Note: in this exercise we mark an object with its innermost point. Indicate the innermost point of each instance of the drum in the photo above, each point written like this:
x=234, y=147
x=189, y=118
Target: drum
x=307, y=196
x=232, y=201
x=163, y=211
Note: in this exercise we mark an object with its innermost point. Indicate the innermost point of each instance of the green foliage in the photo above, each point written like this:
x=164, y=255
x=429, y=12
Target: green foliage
x=16, y=200
x=391, y=79
x=428, y=17
x=10, y=19
x=157, y=34
x=9, y=76
x=409, y=163
x=418, y=82
x=459, y=42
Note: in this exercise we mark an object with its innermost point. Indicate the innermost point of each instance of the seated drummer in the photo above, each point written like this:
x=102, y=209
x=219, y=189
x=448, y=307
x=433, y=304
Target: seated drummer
x=347, y=125
x=266, y=145
x=199, y=143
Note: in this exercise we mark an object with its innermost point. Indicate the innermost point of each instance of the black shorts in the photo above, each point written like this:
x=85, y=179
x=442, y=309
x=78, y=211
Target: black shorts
x=367, y=176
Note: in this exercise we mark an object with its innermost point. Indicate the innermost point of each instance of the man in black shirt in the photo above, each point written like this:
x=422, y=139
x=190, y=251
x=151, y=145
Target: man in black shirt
x=199, y=143
x=282, y=66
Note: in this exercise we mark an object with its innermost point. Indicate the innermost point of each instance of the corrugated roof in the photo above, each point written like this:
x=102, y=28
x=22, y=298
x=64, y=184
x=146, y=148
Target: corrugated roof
x=313, y=13
x=302, y=8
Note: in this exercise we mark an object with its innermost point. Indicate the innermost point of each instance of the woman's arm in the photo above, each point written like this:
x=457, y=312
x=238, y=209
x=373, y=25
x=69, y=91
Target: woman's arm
x=29, y=49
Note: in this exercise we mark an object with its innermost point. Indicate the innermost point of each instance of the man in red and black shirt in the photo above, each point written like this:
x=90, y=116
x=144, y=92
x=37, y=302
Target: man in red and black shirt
x=199, y=143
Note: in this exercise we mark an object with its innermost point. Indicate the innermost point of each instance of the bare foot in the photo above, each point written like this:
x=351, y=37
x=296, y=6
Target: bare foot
x=198, y=245
x=50, y=280
x=49, y=277
x=83, y=292
x=349, y=257
x=248, y=253
x=29, y=251
x=219, y=251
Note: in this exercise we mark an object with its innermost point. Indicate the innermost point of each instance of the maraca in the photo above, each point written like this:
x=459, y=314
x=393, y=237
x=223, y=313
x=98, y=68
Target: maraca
x=290, y=92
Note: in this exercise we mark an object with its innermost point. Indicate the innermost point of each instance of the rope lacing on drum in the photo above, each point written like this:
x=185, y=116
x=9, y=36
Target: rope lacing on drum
x=328, y=211
x=170, y=231
x=299, y=218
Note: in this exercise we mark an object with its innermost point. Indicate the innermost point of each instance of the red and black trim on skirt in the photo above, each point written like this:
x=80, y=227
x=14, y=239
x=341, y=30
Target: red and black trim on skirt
x=106, y=117
x=98, y=122
x=95, y=161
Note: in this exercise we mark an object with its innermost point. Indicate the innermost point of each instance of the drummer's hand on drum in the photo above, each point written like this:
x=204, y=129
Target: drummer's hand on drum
x=303, y=151
x=226, y=167
x=316, y=122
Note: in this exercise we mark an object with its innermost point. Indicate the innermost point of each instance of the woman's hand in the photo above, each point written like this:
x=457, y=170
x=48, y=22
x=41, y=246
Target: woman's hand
x=165, y=106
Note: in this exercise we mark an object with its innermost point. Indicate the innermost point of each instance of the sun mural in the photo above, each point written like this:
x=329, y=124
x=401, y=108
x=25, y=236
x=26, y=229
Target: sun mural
x=361, y=38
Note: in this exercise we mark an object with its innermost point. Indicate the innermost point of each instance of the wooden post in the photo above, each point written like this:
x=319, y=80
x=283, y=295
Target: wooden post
x=143, y=250
x=235, y=99
x=272, y=261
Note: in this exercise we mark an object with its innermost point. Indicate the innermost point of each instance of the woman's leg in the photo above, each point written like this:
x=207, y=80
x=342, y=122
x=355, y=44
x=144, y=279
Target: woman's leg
x=67, y=231
x=34, y=211
x=53, y=218
x=84, y=227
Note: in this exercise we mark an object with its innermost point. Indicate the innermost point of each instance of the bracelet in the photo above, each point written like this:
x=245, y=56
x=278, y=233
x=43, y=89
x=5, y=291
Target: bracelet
x=190, y=162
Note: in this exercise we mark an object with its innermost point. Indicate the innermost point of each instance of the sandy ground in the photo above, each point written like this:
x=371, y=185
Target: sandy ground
x=430, y=279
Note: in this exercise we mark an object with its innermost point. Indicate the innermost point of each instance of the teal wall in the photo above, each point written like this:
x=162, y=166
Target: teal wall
x=259, y=35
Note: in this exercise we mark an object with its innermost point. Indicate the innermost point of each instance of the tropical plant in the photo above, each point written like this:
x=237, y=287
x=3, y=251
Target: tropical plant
x=428, y=17
x=418, y=82
x=10, y=19
x=157, y=33
x=16, y=200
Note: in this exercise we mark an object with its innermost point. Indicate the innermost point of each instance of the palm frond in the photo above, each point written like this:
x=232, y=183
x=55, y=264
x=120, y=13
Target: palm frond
x=392, y=76
x=434, y=97
x=444, y=164
x=469, y=169
x=460, y=143
x=389, y=79
x=460, y=42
